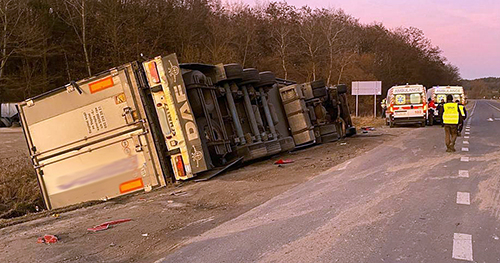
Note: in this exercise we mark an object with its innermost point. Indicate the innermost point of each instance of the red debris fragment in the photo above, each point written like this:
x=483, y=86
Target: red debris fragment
x=281, y=161
x=47, y=239
x=106, y=225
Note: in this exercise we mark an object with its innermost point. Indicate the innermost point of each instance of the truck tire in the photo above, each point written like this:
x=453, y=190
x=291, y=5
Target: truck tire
x=234, y=71
x=342, y=88
x=194, y=79
x=267, y=78
x=249, y=76
x=318, y=84
x=319, y=92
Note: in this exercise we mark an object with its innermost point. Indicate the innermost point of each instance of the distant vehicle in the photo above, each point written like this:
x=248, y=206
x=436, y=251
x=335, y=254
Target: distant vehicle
x=407, y=105
x=9, y=115
x=439, y=93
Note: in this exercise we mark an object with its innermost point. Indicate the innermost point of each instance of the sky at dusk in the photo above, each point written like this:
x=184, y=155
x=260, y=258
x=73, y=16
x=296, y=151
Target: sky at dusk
x=467, y=31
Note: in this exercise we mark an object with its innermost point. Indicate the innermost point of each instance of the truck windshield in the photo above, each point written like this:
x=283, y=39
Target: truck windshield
x=413, y=98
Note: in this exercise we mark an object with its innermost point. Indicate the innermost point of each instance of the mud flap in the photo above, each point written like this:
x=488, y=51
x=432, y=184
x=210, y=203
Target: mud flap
x=205, y=176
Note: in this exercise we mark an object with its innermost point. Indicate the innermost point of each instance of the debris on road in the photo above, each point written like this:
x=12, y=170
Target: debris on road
x=367, y=128
x=281, y=161
x=47, y=239
x=106, y=225
x=145, y=235
x=343, y=143
x=490, y=119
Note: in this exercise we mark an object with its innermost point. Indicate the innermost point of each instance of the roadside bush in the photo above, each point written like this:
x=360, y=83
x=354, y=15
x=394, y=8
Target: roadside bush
x=19, y=191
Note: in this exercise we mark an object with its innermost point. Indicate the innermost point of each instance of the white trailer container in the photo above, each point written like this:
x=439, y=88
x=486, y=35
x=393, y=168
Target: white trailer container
x=92, y=140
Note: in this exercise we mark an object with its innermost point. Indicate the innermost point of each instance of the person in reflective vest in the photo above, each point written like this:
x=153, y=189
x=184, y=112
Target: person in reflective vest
x=463, y=116
x=383, y=105
x=450, y=120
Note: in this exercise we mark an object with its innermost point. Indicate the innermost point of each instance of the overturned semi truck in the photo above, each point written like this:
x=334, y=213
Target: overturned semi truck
x=145, y=125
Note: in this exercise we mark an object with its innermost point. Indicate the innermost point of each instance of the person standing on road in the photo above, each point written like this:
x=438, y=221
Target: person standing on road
x=450, y=119
x=383, y=105
x=439, y=108
x=463, y=116
x=430, y=111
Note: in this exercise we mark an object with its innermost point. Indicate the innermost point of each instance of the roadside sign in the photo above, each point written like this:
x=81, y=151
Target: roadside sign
x=366, y=88
x=373, y=88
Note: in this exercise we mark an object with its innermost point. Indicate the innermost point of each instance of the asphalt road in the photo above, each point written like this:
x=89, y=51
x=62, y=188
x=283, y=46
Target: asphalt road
x=405, y=201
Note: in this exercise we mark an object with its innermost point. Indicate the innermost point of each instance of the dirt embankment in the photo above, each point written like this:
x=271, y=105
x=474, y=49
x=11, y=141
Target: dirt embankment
x=163, y=219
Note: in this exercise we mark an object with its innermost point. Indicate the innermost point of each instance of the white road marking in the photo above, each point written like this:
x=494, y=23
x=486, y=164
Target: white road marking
x=463, y=173
x=462, y=246
x=466, y=137
x=464, y=159
x=466, y=142
x=467, y=133
x=467, y=129
x=498, y=109
x=463, y=198
x=497, y=119
x=465, y=149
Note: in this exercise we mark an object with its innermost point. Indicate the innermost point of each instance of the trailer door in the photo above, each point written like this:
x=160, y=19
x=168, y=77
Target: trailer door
x=90, y=140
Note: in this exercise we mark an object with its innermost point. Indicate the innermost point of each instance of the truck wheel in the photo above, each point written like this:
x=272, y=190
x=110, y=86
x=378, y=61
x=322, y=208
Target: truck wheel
x=318, y=84
x=234, y=71
x=267, y=78
x=250, y=76
x=319, y=92
x=342, y=88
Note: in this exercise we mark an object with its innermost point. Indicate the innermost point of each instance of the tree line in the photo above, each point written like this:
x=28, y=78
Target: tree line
x=47, y=43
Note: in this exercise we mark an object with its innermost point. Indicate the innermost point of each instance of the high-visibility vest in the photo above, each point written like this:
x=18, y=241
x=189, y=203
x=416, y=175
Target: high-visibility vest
x=462, y=111
x=450, y=113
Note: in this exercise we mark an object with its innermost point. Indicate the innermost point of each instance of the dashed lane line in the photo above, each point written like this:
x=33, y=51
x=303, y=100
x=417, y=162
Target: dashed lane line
x=465, y=149
x=462, y=247
x=463, y=173
x=463, y=198
x=466, y=137
x=464, y=159
x=466, y=142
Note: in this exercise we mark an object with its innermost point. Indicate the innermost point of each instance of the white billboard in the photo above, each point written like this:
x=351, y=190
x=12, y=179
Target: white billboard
x=366, y=88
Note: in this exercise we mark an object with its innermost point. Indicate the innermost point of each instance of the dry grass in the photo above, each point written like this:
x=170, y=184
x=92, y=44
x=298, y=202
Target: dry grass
x=368, y=122
x=19, y=191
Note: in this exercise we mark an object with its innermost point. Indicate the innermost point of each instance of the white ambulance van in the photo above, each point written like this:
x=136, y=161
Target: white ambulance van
x=407, y=105
x=439, y=93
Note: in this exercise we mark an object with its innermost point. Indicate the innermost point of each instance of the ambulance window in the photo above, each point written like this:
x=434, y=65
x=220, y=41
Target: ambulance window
x=415, y=98
x=441, y=97
x=400, y=99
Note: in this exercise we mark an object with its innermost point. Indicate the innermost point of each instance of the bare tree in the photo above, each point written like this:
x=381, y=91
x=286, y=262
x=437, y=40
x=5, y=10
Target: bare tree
x=74, y=13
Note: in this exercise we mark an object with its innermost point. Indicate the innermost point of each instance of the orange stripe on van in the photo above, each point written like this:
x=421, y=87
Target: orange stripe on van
x=131, y=185
x=101, y=84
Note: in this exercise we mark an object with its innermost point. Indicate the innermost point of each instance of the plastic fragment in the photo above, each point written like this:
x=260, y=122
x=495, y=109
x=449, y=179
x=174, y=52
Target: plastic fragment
x=281, y=161
x=47, y=239
x=106, y=225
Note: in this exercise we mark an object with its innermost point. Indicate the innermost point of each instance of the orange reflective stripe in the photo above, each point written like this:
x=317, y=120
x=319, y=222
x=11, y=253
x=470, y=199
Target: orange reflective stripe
x=101, y=84
x=131, y=185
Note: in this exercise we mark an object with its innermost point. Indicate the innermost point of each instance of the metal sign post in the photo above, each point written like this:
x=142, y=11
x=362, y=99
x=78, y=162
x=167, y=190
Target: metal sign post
x=367, y=88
